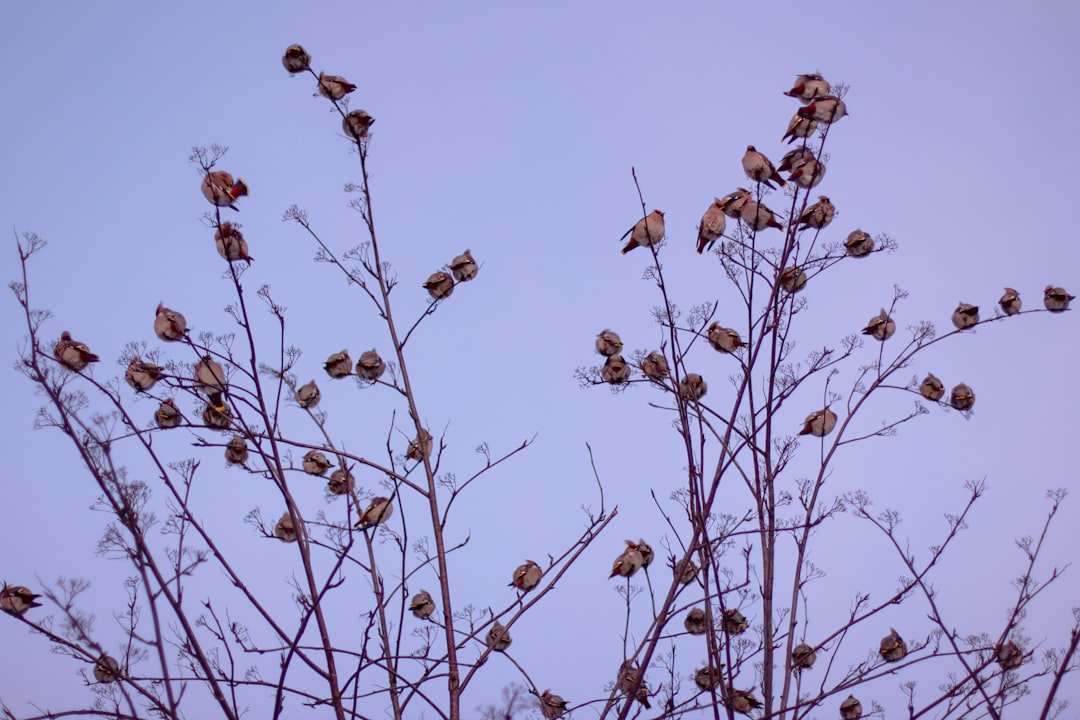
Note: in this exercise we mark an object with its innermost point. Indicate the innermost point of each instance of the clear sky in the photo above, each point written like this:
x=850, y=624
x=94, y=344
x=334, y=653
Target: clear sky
x=511, y=129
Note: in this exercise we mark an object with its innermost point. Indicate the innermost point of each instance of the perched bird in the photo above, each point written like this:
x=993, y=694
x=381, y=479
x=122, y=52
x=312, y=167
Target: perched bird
x=378, y=511
x=142, y=375
x=334, y=87
x=647, y=554
x=526, y=576
x=732, y=203
x=962, y=397
x=931, y=388
x=439, y=285
x=851, y=708
x=794, y=157
x=629, y=676
x=296, y=59
x=628, y=562
x=819, y=423
x=231, y=244
x=648, y=231
x=859, y=244
x=236, y=452
x=169, y=325
x=370, y=366
x=1010, y=302
x=498, y=637
x=792, y=279
x=818, y=215
x=338, y=365
x=210, y=380
x=809, y=87
x=464, y=267
x=724, y=339
x=880, y=327
x=420, y=447
x=106, y=669
x=686, y=571
x=421, y=605
x=965, y=315
x=758, y=217
x=341, y=482
x=315, y=463
x=707, y=678
x=168, y=415
x=742, y=701
x=219, y=188
x=284, y=530
x=695, y=622
x=72, y=353
x=655, y=366
x=615, y=370
x=692, y=387
x=217, y=416
x=608, y=343
x=1056, y=299
x=552, y=706
x=799, y=128
x=893, y=647
x=760, y=169
x=1009, y=655
x=712, y=226
x=356, y=124
x=308, y=395
x=803, y=657
x=807, y=173
x=825, y=110
x=17, y=599
x=734, y=622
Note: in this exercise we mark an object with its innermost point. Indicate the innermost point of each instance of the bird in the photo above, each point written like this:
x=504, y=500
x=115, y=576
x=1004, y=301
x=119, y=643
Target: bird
x=818, y=215
x=758, y=217
x=357, y=123
x=629, y=676
x=315, y=463
x=851, y=708
x=169, y=325
x=893, y=647
x=647, y=554
x=799, y=128
x=341, y=482
x=962, y=397
x=742, y=701
x=760, y=169
x=725, y=340
x=707, y=678
x=552, y=706
x=732, y=203
x=1009, y=655
x=1056, y=299
x=686, y=571
x=965, y=315
x=692, y=387
x=498, y=637
x=712, y=226
x=296, y=59
x=421, y=605
x=648, y=231
x=72, y=353
x=308, y=396
x=217, y=416
x=17, y=599
x=378, y=511
x=880, y=327
x=526, y=576
x=792, y=279
x=334, y=87
x=859, y=244
x=825, y=110
x=695, y=622
x=803, y=656
x=809, y=87
x=794, y=157
x=608, y=342
x=236, y=452
x=106, y=669
x=370, y=366
x=221, y=190
x=819, y=423
x=142, y=375
x=1010, y=302
x=420, y=447
x=210, y=380
x=734, y=622
x=655, y=366
x=231, y=244
x=628, y=562
x=464, y=267
x=931, y=388
x=807, y=173
x=338, y=365
x=439, y=285
x=284, y=530
x=168, y=415
x=615, y=370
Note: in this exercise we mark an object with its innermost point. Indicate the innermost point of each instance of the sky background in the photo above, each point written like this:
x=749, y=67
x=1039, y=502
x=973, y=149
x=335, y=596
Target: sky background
x=511, y=130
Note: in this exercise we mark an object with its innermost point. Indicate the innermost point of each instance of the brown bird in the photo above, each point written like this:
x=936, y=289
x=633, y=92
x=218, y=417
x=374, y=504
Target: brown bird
x=17, y=599
x=308, y=396
x=799, y=128
x=712, y=226
x=818, y=215
x=792, y=279
x=686, y=571
x=378, y=511
x=851, y=708
x=142, y=375
x=1056, y=299
x=356, y=124
x=422, y=605
x=526, y=576
x=962, y=397
x=334, y=87
x=168, y=415
x=1010, y=302
x=965, y=315
x=819, y=423
x=106, y=669
x=648, y=231
x=807, y=173
x=338, y=365
x=809, y=87
x=370, y=366
x=221, y=190
x=420, y=447
x=825, y=110
x=707, y=678
x=695, y=622
x=236, y=452
x=725, y=340
x=1009, y=655
x=931, y=388
x=760, y=169
x=758, y=217
x=210, y=380
x=732, y=203
x=72, y=353
x=742, y=701
x=217, y=416
x=608, y=343
x=629, y=676
x=296, y=59
x=498, y=637
x=231, y=244
x=615, y=370
x=692, y=387
x=803, y=657
x=285, y=530
x=734, y=622
x=552, y=706
x=794, y=157
x=647, y=554
x=859, y=244
x=464, y=267
x=628, y=562
x=169, y=325
x=880, y=327
x=341, y=482
x=439, y=285
x=315, y=463
x=893, y=647
x=655, y=366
